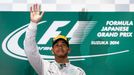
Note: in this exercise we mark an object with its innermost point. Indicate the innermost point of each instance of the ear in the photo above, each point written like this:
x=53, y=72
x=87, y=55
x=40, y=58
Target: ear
x=69, y=50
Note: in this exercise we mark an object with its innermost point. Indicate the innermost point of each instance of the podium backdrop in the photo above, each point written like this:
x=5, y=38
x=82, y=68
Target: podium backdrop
x=101, y=43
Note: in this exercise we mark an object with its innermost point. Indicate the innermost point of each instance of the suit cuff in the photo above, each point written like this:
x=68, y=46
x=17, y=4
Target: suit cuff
x=32, y=25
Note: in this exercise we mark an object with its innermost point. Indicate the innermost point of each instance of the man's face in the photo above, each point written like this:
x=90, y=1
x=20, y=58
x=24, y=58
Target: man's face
x=60, y=49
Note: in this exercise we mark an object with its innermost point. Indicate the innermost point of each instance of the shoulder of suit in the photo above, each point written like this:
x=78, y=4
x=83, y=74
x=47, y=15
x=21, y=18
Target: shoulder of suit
x=77, y=68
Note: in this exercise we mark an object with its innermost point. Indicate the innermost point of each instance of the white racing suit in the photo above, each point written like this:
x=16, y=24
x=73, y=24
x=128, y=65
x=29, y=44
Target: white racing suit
x=44, y=67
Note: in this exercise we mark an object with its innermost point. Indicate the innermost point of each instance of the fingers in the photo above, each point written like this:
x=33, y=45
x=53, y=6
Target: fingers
x=38, y=8
x=31, y=9
x=35, y=7
x=35, y=10
x=42, y=13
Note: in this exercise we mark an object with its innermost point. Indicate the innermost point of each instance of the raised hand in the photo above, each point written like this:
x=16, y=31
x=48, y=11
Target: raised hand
x=35, y=13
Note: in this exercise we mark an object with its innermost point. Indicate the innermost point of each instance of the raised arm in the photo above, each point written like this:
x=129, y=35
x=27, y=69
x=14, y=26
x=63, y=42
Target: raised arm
x=30, y=46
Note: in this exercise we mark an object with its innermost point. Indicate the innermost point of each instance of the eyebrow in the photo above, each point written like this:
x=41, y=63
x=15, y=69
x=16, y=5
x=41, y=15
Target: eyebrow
x=61, y=42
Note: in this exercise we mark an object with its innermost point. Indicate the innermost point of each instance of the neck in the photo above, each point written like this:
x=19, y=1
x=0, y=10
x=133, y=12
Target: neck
x=61, y=59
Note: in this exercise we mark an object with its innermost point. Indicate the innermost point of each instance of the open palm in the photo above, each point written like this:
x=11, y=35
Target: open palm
x=35, y=13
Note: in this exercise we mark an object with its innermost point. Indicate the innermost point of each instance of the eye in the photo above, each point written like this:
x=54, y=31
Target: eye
x=64, y=44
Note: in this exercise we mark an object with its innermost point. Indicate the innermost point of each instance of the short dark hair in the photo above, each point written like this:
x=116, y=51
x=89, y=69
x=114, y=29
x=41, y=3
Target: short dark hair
x=54, y=42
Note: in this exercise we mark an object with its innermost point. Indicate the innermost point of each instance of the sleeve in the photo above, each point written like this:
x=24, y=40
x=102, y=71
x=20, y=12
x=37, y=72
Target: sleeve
x=31, y=49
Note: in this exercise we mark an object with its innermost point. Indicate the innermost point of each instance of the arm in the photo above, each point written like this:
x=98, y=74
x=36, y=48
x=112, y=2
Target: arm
x=30, y=46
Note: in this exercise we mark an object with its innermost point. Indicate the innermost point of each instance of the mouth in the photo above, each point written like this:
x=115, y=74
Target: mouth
x=60, y=51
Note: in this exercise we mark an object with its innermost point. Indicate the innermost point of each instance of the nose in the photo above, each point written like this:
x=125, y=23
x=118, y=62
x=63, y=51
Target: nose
x=60, y=45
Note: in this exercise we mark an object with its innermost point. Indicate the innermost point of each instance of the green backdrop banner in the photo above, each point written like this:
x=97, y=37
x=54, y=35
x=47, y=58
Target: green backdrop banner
x=101, y=42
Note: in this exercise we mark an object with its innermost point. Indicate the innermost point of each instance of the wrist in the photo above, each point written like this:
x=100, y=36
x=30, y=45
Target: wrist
x=32, y=25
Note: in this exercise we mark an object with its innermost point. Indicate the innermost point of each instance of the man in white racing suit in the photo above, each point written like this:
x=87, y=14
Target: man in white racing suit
x=60, y=49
